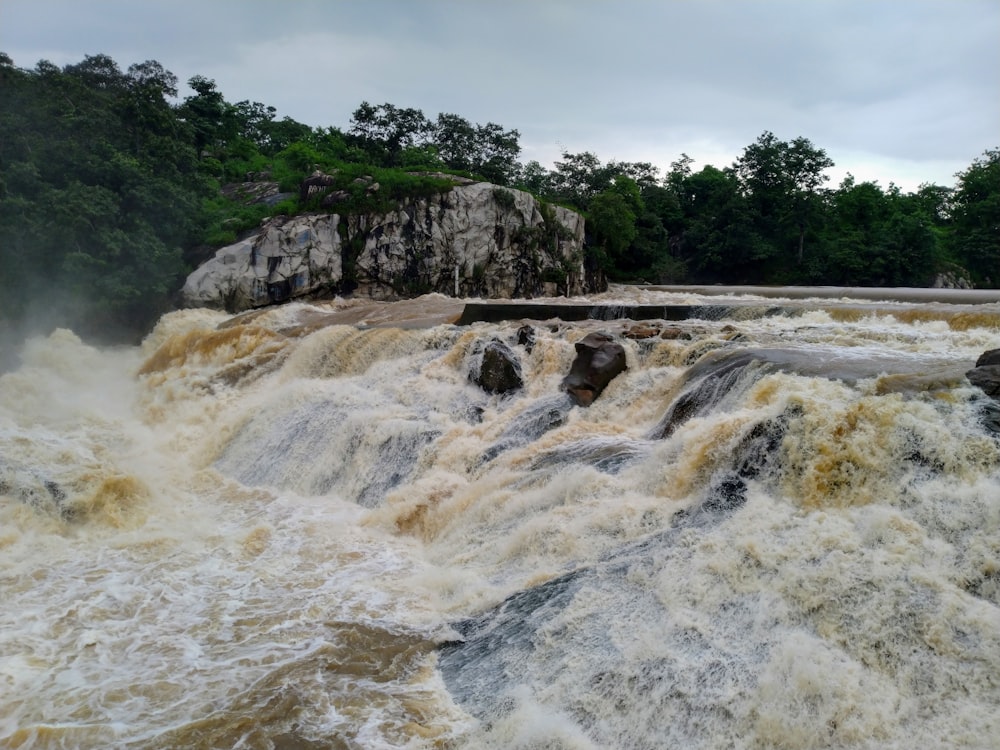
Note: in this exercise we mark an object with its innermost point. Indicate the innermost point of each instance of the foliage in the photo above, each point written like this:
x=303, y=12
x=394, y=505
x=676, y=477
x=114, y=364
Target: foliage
x=781, y=182
x=111, y=190
x=101, y=187
x=401, y=137
x=974, y=240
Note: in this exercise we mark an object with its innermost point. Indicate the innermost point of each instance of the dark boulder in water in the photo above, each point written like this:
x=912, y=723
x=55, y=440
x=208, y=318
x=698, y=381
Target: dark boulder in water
x=498, y=369
x=498, y=645
x=989, y=357
x=986, y=374
x=526, y=337
x=987, y=378
x=599, y=359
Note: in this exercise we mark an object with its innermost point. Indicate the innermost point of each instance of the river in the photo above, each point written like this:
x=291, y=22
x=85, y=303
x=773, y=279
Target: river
x=305, y=527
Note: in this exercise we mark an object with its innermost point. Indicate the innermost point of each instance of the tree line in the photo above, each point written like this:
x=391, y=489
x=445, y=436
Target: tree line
x=111, y=191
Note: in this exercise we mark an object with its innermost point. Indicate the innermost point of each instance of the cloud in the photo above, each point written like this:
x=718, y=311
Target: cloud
x=879, y=83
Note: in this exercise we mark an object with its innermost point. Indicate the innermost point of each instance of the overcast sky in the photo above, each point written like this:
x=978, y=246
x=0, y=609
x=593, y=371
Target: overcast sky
x=894, y=90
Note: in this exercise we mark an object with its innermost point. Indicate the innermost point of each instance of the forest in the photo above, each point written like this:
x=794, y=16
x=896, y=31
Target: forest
x=111, y=191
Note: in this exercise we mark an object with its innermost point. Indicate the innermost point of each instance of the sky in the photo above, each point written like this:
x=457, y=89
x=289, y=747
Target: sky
x=895, y=91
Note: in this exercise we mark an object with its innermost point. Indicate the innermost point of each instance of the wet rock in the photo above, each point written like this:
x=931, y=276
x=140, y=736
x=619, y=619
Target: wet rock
x=497, y=644
x=535, y=420
x=638, y=332
x=708, y=382
x=673, y=332
x=599, y=359
x=607, y=453
x=526, y=337
x=986, y=377
x=498, y=369
x=990, y=416
x=989, y=357
x=36, y=490
x=255, y=192
x=986, y=374
x=332, y=199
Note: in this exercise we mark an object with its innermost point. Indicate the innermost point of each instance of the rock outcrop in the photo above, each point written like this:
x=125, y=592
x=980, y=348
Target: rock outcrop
x=287, y=258
x=473, y=240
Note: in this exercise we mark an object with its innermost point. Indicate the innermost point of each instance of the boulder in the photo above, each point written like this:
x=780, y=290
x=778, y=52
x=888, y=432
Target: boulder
x=331, y=199
x=989, y=357
x=526, y=337
x=315, y=184
x=599, y=358
x=673, y=333
x=986, y=377
x=641, y=331
x=286, y=259
x=497, y=368
x=986, y=374
x=255, y=192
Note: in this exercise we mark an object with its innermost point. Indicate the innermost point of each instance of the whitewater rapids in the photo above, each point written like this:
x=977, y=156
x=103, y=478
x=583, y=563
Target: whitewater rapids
x=305, y=527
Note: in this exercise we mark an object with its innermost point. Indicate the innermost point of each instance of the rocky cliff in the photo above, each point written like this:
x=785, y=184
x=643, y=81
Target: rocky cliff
x=476, y=239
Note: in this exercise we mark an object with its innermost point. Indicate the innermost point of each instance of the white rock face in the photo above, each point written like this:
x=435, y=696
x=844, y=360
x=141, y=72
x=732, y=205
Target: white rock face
x=474, y=240
x=284, y=260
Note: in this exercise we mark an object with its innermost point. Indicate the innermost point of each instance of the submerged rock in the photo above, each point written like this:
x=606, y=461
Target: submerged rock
x=708, y=382
x=641, y=331
x=535, y=420
x=599, y=359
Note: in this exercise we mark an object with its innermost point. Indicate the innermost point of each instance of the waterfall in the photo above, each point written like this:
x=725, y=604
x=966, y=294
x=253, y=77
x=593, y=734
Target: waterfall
x=307, y=526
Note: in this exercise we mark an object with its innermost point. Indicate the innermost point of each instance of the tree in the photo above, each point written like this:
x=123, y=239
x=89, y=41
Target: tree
x=879, y=237
x=455, y=139
x=496, y=153
x=385, y=130
x=975, y=216
x=534, y=178
x=206, y=113
x=578, y=178
x=719, y=242
x=612, y=222
x=98, y=72
x=781, y=180
x=100, y=193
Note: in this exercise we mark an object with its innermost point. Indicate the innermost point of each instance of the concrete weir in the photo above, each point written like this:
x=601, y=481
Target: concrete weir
x=496, y=312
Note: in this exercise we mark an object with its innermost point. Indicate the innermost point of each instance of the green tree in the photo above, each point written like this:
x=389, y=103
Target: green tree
x=207, y=114
x=782, y=181
x=718, y=242
x=975, y=217
x=611, y=219
x=100, y=190
x=880, y=237
x=455, y=140
x=385, y=130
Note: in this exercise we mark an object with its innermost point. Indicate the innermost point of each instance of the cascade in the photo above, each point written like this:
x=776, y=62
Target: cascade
x=309, y=526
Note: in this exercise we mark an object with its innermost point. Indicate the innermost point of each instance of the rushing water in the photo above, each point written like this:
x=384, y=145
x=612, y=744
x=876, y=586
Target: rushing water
x=306, y=528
